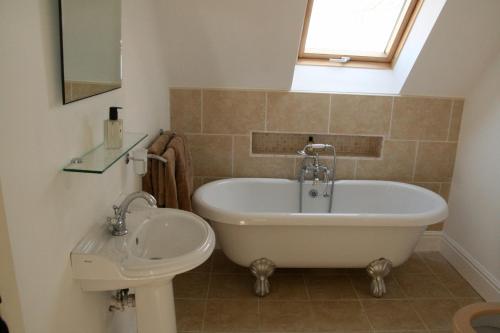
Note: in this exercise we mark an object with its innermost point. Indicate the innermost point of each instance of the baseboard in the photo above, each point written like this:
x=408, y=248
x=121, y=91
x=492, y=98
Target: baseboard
x=473, y=271
x=430, y=241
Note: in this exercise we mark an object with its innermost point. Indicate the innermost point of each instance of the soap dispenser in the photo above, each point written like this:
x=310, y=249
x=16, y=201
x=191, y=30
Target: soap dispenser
x=113, y=129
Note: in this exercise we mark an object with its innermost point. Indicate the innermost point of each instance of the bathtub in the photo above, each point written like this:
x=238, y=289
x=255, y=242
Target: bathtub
x=259, y=218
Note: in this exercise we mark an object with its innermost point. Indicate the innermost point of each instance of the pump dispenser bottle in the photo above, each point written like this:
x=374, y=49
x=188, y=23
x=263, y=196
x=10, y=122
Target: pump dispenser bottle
x=113, y=129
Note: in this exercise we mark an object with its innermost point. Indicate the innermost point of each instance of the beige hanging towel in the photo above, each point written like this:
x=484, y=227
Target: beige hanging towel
x=154, y=180
x=183, y=171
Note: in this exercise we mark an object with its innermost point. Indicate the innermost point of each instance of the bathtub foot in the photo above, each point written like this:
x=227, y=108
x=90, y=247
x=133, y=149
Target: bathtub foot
x=378, y=269
x=262, y=269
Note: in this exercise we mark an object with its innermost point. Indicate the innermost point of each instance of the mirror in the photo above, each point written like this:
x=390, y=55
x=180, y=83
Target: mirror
x=90, y=47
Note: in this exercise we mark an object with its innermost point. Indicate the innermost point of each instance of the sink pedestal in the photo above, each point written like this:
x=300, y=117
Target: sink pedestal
x=155, y=308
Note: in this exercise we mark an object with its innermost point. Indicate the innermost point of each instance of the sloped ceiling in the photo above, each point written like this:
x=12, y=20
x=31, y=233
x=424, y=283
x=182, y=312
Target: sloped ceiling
x=233, y=43
x=253, y=44
x=463, y=42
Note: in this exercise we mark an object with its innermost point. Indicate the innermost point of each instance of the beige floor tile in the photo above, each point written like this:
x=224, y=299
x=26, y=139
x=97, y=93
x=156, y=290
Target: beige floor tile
x=191, y=285
x=330, y=287
x=392, y=315
x=287, y=287
x=231, y=286
x=466, y=301
x=287, y=316
x=447, y=274
x=222, y=264
x=437, y=314
x=339, y=315
x=420, y=286
x=414, y=265
x=362, y=287
x=206, y=267
x=326, y=271
x=459, y=287
x=232, y=316
x=437, y=263
x=189, y=314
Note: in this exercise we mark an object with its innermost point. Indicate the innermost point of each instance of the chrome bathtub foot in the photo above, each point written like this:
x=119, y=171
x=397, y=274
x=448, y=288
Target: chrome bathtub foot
x=262, y=269
x=378, y=270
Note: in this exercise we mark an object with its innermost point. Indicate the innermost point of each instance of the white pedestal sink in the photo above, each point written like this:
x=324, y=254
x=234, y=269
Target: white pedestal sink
x=160, y=244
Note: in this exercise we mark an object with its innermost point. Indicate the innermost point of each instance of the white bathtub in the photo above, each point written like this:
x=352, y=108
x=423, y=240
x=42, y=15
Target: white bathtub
x=259, y=218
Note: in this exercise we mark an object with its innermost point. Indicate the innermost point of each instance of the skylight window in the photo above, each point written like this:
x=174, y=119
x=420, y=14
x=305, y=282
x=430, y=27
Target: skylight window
x=344, y=31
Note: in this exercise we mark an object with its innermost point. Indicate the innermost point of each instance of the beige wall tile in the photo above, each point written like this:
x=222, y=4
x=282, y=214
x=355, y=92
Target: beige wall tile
x=456, y=120
x=396, y=164
x=185, y=110
x=257, y=166
x=212, y=155
x=435, y=161
x=356, y=114
x=445, y=190
x=344, y=168
x=233, y=112
x=436, y=226
x=418, y=118
x=434, y=187
x=298, y=112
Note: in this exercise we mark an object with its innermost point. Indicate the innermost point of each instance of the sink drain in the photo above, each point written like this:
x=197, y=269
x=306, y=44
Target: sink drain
x=155, y=258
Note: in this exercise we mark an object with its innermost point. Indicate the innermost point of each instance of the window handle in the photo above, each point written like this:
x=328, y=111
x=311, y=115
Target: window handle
x=341, y=60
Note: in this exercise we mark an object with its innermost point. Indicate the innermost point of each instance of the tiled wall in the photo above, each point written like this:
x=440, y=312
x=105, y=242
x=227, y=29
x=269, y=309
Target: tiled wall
x=420, y=134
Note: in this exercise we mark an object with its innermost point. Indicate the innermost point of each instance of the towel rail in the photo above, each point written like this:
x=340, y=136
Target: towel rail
x=156, y=157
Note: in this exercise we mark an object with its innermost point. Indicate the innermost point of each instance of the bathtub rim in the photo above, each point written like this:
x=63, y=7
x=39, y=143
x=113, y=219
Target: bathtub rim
x=226, y=216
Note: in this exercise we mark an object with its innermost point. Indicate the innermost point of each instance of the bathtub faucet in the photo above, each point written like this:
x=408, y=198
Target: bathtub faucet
x=317, y=169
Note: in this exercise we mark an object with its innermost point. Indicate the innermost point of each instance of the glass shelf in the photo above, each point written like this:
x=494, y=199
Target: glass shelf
x=100, y=159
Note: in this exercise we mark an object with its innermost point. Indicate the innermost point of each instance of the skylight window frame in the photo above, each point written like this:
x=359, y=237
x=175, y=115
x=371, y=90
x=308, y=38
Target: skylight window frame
x=383, y=60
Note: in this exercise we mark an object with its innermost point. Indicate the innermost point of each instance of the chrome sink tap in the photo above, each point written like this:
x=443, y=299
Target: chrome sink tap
x=117, y=224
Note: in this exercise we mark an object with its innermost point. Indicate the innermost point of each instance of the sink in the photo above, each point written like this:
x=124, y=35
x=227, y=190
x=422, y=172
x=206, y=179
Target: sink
x=161, y=243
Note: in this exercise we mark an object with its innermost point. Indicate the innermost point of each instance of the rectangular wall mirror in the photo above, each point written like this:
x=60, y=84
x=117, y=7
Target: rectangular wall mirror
x=90, y=47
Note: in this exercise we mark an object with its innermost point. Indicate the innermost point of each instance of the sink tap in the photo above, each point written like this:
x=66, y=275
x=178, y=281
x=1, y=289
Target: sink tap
x=117, y=224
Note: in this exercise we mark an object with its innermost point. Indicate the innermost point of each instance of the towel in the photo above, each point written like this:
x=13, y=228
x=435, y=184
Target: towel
x=169, y=197
x=183, y=171
x=154, y=180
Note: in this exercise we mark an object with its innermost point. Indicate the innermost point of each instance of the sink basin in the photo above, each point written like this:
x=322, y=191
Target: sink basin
x=160, y=244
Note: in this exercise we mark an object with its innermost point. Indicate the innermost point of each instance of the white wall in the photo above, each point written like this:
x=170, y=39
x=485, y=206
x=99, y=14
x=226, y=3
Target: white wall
x=10, y=308
x=474, y=222
x=48, y=210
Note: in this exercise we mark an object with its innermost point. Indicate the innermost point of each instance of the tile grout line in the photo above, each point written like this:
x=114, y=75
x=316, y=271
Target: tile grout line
x=329, y=113
x=390, y=118
x=232, y=155
x=414, y=171
x=210, y=270
x=265, y=110
x=449, y=121
x=201, y=110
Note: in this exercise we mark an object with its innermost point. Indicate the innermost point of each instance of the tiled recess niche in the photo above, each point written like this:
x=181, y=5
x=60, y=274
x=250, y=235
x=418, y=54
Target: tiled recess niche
x=419, y=134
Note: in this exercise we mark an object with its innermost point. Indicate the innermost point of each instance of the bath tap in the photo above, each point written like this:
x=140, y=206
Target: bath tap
x=117, y=224
x=311, y=151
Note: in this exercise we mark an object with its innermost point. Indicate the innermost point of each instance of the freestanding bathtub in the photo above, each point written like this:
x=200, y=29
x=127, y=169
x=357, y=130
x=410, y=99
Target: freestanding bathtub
x=373, y=224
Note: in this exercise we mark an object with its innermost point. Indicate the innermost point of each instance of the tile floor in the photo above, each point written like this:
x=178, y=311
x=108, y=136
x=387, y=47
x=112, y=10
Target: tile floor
x=422, y=296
